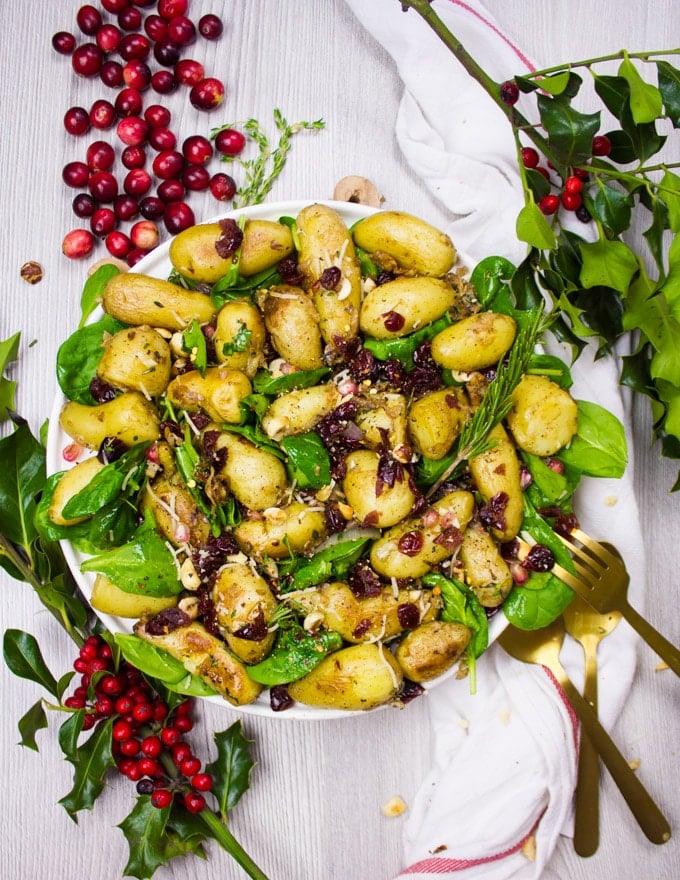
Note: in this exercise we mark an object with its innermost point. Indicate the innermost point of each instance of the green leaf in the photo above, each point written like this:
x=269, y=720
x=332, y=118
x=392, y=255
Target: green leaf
x=90, y=761
x=22, y=475
x=555, y=84
x=264, y=383
x=145, y=831
x=607, y=264
x=570, y=133
x=193, y=342
x=645, y=140
x=645, y=99
x=612, y=208
x=308, y=462
x=490, y=277
x=668, y=190
x=232, y=768
x=23, y=656
x=78, y=358
x=669, y=86
x=93, y=290
x=8, y=354
x=599, y=448
x=533, y=228
x=333, y=562
x=69, y=732
x=295, y=653
x=614, y=92
x=30, y=723
x=157, y=663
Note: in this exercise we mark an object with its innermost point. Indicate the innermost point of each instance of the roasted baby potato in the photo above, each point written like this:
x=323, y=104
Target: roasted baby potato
x=415, y=245
x=129, y=417
x=360, y=677
x=373, y=501
x=136, y=359
x=397, y=308
x=255, y=477
x=134, y=298
x=110, y=599
x=431, y=649
x=474, y=343
x=293, y=324
x=497, y=476
x=240, y=336
x=218, y=392
x=486, y=572
x=281, y=531
x=435, y=420
x=299, y=411
x=544, y=417
x=207, y=657
x=244, y=606
x=68, y=486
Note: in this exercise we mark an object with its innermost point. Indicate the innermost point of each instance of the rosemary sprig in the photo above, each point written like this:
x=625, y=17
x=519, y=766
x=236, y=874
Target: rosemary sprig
x=262, y=170
x=496, y=402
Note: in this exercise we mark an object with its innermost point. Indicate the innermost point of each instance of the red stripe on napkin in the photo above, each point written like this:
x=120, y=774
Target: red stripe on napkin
x=523, y=58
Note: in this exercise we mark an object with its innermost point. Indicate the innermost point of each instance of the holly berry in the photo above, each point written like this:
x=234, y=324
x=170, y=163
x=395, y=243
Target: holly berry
x=509, y=92
x=530, y=157
x=602, y=146
x=571, y=200
x=161, y=798
x=549, y=204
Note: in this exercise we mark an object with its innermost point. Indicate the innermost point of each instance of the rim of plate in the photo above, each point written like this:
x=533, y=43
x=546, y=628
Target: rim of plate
x=157, y=264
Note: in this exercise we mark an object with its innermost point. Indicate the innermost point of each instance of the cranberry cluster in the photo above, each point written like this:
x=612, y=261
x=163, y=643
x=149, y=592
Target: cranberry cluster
x=122, y=55
x=148, y=739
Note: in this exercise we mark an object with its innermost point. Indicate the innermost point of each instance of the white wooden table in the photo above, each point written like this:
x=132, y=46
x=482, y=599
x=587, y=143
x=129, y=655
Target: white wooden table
x=314, y=807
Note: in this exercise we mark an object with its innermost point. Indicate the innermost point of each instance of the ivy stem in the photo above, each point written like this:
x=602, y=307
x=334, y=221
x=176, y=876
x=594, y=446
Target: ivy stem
x=229, y=843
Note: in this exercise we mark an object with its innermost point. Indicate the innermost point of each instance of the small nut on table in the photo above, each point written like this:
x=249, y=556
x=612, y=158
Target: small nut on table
x=359, y=190
x=395, y=806
x=32, y=272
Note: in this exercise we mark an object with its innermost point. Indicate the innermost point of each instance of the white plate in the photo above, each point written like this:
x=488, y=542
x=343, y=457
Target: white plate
x=158, y=265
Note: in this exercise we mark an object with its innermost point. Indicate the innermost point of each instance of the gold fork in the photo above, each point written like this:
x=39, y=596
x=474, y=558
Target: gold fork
x=588, y=627
x=602, y=580
x=542, y=646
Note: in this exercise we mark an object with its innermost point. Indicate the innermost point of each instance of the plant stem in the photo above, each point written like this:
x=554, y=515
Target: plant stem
x=588, y=62
x=229, y=843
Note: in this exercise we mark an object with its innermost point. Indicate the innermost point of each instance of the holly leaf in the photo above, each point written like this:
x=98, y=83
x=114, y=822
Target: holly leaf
x=69, y=733
x=607, y=264
x=30, y=723
x=23, y=656
x=8, y=353
x=570, y=133
x=91, y=760
x=668, y=190
x=669, y=86
x=232, y=767
x=612, y=208
x=22, y=475
x=645, y=99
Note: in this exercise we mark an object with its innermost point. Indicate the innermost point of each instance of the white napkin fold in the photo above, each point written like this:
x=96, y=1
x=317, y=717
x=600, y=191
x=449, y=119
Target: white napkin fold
x=504, y=760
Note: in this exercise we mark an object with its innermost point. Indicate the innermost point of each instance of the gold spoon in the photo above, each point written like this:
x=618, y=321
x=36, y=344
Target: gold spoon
x=588, y=627
x=542, y=646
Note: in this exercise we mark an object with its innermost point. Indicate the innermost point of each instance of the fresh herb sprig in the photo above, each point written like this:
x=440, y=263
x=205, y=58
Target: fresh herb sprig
x=263, y=169
x=601, y=287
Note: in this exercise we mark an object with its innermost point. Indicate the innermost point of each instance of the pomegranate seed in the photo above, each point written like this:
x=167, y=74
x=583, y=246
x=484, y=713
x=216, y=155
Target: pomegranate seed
x=156, y=27
x=229, y=141
x=129, y=102
x=164, y=82
x=207, y=94
x=172, y=190
x=87, y=59
x=108, y=38
x=549, y=204
x=161, y=798
x=197, y=150
x=168, y=9
x=182, y=30
x=145, y=235
x=132, y=130
x=89, y=20
x=102, y=114
x=100, y=156
x=210, y=26
x=75, y=174
x=189, y=72
x=130, y=19
x=157, y=116
x=133, y=157
x=168, y=164
x=63, y=42
x=73, y=450
x=125, y=207
x=83, y=205
x=162, y=139
x=602, y=146
x=167, y=52
x=111, y=74
x=77, y=120
x=103, y=186
x=223, y=187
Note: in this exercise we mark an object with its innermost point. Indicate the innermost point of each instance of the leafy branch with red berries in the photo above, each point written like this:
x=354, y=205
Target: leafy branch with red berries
x=116, y=719
x=604, y=284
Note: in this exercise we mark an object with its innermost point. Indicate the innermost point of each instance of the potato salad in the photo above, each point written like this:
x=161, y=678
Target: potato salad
x=299, y=464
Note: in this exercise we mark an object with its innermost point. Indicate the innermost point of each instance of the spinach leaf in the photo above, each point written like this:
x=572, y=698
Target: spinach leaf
x=295, y=653
x=78, y=358
x=490, y=278
x=93, y=290
x=308, y=462
x=145, y=565
x=265, y=383
x=552, y=367
x=402, y=348
x=332, y=562
x=599, y=448
x=159, y=664
x=193, y=342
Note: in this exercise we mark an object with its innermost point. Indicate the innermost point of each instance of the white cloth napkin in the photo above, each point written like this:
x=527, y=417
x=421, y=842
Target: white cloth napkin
x=504, y=760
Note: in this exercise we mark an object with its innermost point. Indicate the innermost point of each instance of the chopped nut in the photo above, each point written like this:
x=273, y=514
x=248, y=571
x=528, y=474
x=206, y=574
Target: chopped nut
x=437, y=849
x=313, y=621
x=611, y=500
x=189, y=605
x=529, y=848
x=359, y=190
x=660, y=666
x=395, y=806
x=505, y=716
x=188, y=575
x=634, y=764
x=32, y=272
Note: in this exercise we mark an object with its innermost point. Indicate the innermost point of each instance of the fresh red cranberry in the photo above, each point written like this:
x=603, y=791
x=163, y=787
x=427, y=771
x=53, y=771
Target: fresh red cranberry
x=111, y=74
x=168, y=164
x=77, y=243
x=129, y=102
x=102, y=114
x=130, y=19
x=162, y=139
x=189, y=72
x=125, y=207
x=167, y=52
x=602, y=146
x=137, y=182
x=137, y=75
x=103, y=186
x=89, y=20
x=156, y=27
x=77, y=120
x=196, y=178
x=210, y=26
x=157, y=116
x=135, y=255
x=100, y=156
x=177, y=217
x=549, y=204
x=63, y=42
x=164, y=82
x=182, y=30
x=509, y=93
x=197, y=149
x=152, y=208
x=172, y=190
x=222, y=187
x=75, y=173
x=133, y=131
x=83, y=205
x=103, y=221
x=87, y=59
x=207, y=94
x=133, y=157
x=114, y=6
x=229, y=141
x=108, y=38
x=168, y=9
x=135, y=46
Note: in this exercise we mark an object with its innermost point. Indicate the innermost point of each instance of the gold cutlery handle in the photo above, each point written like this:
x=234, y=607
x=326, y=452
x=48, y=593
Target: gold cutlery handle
x=587, y=797
x=665, y=649
x=649, y=817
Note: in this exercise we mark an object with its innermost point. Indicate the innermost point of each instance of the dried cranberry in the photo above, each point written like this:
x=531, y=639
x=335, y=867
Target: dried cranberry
x=230, y=238
x=539, y=558
x=493, y=512
x=363, y=581
x=167, y=621
x=330, y=278
x=213, y=554
x=334, y=520
x=451, y=538
x=111, y=449
x=362, y=628
x=279, y=698
x=410, y=543
x=101, y=391
x=389, y=473
x=408, y=615
x=410, y=690
x=393, y=321
x=255, y=630
x=290, y=271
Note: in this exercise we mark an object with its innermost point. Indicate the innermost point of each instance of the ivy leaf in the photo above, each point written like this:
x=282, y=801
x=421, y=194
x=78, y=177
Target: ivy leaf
x=30, y=723
x=669, y=192
x=8, y=353
x=607, y=264
x=645, y=99
x=23, y=656
x=612, y=208
x=669, y=86
x=232, y=767
x=90, y=761
x=533, y=228
x=570, y=133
